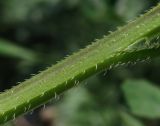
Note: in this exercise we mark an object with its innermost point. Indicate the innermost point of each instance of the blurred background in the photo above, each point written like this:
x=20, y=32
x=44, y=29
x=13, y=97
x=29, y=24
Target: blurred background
x=34, y=34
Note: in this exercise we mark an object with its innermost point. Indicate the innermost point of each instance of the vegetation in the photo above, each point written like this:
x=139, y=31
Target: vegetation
x=134, y=42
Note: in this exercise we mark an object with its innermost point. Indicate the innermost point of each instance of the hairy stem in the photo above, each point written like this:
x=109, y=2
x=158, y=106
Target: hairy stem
x=119, y=47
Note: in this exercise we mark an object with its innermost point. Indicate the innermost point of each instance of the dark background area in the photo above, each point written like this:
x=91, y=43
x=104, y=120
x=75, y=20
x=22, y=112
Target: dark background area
x=34, y=34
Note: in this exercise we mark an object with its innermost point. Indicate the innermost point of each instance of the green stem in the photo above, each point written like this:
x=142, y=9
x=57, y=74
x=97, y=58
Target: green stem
x=113, y=49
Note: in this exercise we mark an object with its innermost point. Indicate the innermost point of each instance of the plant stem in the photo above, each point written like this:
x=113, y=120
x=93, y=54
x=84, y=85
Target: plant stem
x=102, y=54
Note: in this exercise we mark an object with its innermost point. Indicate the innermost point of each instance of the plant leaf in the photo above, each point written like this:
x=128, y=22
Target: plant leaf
x=143, y=98
x=11, y=50
x=128, y=120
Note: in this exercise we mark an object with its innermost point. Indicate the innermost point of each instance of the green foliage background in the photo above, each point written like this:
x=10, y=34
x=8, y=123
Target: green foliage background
x=37, y=33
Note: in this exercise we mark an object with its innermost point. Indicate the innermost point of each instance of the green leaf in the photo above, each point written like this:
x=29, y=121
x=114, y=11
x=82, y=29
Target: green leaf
x=11, y=50
x=128, y=120
x=143, y=98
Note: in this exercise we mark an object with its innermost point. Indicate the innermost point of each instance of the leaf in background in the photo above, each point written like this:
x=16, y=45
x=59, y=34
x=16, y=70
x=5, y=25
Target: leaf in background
x=11, y=50
x=128, y=120
x=143, y=98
